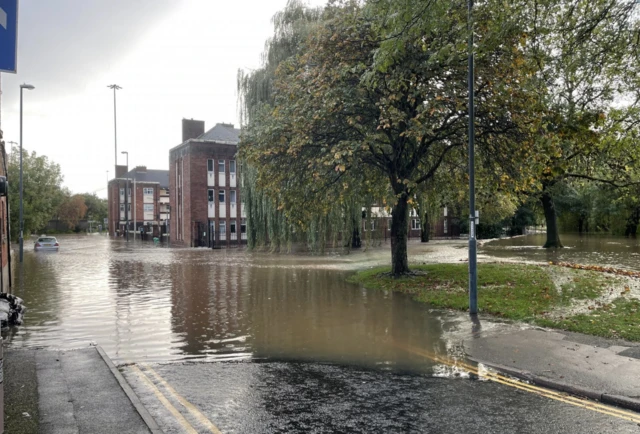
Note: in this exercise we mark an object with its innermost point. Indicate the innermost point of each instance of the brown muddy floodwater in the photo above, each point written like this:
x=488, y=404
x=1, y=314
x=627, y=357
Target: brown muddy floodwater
x=601, y=250
x=142, y=302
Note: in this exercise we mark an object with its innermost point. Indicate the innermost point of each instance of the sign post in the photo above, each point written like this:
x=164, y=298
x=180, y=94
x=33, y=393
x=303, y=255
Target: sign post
x=8, y=35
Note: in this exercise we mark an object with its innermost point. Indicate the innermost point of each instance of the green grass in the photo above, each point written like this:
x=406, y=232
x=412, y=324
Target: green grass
x=516, y=291
x=512, y=291
x=585, y=285
x=620, y=319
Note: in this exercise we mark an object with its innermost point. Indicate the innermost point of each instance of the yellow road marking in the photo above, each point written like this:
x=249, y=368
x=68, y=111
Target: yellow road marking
x=179, y=417
x=192, y=409
x=498, y=378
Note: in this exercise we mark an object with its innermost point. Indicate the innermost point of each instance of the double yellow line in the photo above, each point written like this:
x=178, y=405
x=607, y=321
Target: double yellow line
x=517, y=384
x=146, y=374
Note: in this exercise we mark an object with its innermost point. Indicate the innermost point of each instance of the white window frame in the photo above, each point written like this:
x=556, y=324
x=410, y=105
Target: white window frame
x=210, y=165
x=221, y=195
x=233, y=195
x=232, y=166
x=221, y=163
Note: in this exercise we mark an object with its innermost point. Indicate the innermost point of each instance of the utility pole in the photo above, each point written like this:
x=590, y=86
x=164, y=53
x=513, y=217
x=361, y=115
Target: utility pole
x=115, y=126
x=21, y=236
x=126, y=197
x=473, y=256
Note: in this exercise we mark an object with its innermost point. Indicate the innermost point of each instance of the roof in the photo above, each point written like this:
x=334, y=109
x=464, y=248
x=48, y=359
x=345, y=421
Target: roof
x=222, y=133
x=159, y=176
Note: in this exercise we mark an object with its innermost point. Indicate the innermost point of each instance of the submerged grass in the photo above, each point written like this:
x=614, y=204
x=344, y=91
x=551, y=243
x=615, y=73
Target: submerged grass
x=516, y=291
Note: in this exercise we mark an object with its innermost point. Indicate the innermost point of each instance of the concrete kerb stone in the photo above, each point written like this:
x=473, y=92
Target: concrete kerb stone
x=144, y=413
x=617, y=400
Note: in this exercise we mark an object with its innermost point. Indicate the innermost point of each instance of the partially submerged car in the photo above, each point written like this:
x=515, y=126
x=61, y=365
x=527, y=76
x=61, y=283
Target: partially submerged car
x=46, y=243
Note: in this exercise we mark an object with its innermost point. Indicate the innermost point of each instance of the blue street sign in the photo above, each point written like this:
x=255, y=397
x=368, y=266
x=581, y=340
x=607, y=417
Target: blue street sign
x=8, y=35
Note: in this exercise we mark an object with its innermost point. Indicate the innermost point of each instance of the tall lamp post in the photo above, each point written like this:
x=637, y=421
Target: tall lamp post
x=473, y=257
x=20, y=238
x=126, y=197
x=115, y=126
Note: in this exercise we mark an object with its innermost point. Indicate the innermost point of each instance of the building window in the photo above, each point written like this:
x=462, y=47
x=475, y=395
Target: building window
x=232, y=197
x=223, y=227
x=211, y=199
x=221, y=166
x=210, y=165
x=148, y=207
x=122, y=207
x=232, y=227
x=232, y=166
x=221, y=196
x=243, y=226
x=415, y=224
x=445, y=225
x=147, y=191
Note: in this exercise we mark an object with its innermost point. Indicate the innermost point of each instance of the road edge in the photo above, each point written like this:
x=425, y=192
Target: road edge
x=140, y=408
x=606, y=398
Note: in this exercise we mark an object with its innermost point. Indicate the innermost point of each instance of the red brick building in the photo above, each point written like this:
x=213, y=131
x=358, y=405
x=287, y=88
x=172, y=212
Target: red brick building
x=146, y=202
x=204, y=187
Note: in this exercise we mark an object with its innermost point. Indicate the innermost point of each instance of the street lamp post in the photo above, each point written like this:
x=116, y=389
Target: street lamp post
x=115, y=126
x=473, y=256
x=126, y=197
x=21, y=237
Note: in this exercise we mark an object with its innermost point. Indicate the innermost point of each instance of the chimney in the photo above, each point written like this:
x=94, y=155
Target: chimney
x=140, y=169
x=191, y=129
x=121, y=171
x=227, y=125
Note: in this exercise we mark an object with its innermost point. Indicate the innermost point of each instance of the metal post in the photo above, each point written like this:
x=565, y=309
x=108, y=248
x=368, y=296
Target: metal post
x=473, y=260
x=20, y=236
x=126, y=198
x=115, y=126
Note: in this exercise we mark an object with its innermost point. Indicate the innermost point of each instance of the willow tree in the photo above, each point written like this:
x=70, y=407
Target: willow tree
x=349, y=115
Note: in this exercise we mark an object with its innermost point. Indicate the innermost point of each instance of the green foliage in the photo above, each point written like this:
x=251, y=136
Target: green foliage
x=97, y=208
x=353, y=118
x=42, y=191
x=71, y=210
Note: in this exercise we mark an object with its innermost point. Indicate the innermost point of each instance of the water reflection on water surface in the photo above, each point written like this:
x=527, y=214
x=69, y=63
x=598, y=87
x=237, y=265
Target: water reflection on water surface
x=147, y=303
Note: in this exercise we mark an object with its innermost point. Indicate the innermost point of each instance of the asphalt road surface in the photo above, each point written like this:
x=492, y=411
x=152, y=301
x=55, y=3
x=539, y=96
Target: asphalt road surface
x=297, y=397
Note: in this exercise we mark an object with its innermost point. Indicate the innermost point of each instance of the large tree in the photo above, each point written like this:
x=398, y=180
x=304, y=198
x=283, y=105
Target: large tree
x=42, y=191
x=350, y=110
x=586, y=52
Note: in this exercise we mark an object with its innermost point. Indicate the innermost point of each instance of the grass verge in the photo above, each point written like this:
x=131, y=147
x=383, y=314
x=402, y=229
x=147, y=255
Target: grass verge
x=516, y=291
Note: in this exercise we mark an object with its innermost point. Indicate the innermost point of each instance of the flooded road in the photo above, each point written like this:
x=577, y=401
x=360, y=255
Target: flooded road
x=601, y=250
x=321, y=355
x=146, y=303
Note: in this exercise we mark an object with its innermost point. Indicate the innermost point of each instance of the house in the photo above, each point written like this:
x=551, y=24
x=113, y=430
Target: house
x=141, y=198
x=204, y=187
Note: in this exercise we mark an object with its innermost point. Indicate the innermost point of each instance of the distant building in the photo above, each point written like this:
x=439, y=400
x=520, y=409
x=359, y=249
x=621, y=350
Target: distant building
x=205, y=195
x=145, y=196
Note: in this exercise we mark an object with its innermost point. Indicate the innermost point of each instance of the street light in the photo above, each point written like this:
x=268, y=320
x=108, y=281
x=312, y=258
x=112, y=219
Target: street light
x=126, y=197
x=21, y=239
x=115, y=126
x=473, y=214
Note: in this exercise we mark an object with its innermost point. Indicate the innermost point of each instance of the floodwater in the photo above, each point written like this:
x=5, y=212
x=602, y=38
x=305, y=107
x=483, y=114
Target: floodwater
x=146, y=303
x=601, y=250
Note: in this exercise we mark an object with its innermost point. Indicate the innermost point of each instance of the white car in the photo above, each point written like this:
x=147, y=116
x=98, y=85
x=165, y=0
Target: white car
x=46, y=243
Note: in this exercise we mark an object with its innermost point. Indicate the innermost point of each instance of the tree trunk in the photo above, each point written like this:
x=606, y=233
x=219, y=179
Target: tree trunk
x=632, y=224
x=424, y=225
x=399, y=232
x=356, y=243
x=550, y=217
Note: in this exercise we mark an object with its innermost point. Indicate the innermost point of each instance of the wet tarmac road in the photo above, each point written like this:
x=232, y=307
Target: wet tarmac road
x=294, y=397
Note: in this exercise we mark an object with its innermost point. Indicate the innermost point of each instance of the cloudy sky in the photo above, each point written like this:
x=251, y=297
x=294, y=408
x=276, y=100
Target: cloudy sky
x=173, y=58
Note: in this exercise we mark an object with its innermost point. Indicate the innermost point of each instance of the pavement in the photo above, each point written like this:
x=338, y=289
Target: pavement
x=77, y=391
x=600, y=369
x=81, y=391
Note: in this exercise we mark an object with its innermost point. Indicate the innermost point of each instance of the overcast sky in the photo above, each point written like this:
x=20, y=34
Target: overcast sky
x=173, y=58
